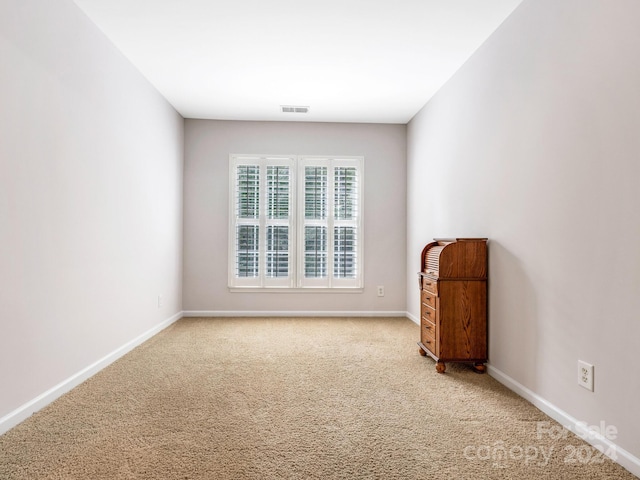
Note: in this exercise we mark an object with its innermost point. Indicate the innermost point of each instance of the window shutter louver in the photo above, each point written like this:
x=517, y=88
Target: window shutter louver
x=277, y=251
x=315, y=252
x=247, y=257
x=278, y=194
x=248, y=188
x=278, y=185
x=345, y=202
x=247, y=208
x=344, y=256
x=315, y=218
x=345, y=189
x=315, y=193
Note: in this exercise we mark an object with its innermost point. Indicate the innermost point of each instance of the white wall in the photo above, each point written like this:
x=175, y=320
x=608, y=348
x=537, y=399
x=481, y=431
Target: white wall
x=90, y=199
x=208, y=144
x=535, y=144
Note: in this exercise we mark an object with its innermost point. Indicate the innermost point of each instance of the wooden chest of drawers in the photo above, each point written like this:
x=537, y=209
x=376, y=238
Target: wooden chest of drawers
x=453, y=301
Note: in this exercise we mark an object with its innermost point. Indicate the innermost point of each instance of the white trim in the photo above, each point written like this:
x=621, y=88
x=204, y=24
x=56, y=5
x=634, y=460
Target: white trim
x=623, y=457
x=413, y=318
x=290, y=313
x=296, y=290
x=25, y=411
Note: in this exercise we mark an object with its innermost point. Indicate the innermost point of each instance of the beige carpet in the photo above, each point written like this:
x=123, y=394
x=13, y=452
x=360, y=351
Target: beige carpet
x=304, y=398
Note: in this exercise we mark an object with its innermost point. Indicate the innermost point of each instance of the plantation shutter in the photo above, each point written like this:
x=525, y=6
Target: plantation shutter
x=247, y=209
x=262, y=213
x=330, y=222
x=278, y=205
x=295, y=222
x=315, y=222
x=345, y=235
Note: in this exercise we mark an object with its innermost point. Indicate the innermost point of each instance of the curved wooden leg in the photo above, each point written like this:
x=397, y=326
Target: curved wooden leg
x=480, y=367
x=440, y=367
x=422, y=352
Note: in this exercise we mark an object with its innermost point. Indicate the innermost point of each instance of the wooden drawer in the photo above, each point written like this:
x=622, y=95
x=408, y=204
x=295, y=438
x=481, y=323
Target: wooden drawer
x=430, y=285
x=428, y=298
x=428, y=314
x=429, y=327
x=428, y=336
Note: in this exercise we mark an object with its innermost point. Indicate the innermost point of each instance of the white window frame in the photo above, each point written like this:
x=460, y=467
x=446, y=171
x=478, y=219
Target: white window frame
x=295, y=281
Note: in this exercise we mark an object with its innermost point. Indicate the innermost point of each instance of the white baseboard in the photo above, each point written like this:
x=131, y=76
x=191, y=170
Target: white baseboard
x=618, y=454
x=413, y=318
x=25, y=411
x=289, y=313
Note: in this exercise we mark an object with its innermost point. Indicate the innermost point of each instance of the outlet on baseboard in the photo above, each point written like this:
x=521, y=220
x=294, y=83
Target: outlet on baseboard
x=585, y=375
x=380, y=291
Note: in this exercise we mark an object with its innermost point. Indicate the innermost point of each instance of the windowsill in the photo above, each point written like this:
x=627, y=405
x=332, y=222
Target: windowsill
x=295, y=290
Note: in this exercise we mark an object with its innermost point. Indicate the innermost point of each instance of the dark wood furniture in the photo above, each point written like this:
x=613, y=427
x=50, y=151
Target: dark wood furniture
x=453, y=302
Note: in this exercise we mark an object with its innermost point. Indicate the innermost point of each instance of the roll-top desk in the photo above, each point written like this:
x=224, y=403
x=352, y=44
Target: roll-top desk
x=453, y=302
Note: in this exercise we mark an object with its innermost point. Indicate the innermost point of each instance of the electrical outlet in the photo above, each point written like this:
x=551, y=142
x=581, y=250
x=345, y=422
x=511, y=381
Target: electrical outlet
x=585, y=375
x=159, y=301
x=380, y=291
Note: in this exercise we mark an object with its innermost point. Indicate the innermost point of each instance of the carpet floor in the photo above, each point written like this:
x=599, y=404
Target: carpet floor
x=293, y=398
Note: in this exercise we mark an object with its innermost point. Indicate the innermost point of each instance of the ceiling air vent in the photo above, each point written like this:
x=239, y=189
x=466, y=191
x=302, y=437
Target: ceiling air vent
x=294, y=109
